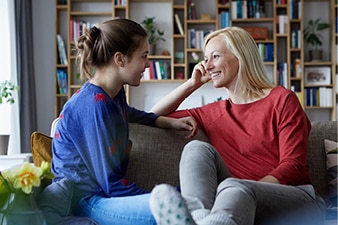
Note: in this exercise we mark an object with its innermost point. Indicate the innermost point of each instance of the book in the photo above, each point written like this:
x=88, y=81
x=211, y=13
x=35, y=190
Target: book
x=61, y=50
x=179, y=24
x=61, y=76
x=158, y=70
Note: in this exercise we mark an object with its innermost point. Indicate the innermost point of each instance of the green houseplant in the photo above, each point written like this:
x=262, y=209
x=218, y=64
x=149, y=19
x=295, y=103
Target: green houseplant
x=7, y=89
x=154, y=34
x=313, y=37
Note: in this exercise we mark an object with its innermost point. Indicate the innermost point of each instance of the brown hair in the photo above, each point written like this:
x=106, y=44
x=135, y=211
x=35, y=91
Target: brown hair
x=98, y=44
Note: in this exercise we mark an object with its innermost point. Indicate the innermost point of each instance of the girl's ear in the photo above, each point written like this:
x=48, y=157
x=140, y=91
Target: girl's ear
x=119, y=59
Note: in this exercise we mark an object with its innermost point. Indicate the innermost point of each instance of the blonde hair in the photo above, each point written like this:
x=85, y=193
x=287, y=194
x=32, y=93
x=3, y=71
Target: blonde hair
x=251, y=70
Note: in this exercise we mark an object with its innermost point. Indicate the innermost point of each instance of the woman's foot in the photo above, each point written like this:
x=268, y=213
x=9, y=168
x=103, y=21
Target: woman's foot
x=168, y=206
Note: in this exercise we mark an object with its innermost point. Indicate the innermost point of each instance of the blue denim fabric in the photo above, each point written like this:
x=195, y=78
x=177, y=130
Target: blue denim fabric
x=55, y=203
x=129, y=210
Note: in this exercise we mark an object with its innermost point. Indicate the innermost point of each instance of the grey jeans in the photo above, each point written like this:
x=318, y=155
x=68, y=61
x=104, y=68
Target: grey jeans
x=213, y=197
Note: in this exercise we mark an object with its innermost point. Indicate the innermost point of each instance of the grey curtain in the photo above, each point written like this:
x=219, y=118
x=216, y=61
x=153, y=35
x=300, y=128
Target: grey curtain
x=25, y=68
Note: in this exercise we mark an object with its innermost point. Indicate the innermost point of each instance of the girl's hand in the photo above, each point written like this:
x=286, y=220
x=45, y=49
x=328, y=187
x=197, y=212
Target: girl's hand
x=184, y=123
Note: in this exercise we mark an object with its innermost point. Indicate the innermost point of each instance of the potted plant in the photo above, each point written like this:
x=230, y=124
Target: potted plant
x=154, y=34
x=7, y=89
x=313, y=37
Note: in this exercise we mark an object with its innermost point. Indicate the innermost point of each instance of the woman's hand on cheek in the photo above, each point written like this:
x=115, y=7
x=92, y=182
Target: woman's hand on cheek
x=200, y=75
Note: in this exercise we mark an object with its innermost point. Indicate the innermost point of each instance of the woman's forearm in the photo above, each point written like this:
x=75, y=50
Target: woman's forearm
x=173, y=100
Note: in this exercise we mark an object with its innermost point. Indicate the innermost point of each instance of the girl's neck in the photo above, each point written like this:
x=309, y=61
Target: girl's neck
x=107, y=81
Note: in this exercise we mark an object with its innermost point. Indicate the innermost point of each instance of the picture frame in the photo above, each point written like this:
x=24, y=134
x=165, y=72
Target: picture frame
x=317, y=75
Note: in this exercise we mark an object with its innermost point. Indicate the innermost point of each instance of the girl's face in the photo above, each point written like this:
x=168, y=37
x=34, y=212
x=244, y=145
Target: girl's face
x=136, y=65
x=220, y=63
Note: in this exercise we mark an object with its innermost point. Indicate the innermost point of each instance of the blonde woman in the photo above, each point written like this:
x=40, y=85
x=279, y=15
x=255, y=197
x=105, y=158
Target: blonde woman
x=254, y=170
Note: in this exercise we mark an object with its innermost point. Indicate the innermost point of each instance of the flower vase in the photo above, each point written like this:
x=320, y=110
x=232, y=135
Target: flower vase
x=21, y=208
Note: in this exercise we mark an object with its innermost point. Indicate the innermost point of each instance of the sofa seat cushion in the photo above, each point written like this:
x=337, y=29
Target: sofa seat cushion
x=41, y=147
x=331, y=148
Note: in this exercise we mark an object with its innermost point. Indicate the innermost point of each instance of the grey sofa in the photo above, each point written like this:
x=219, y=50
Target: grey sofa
x=156, y=153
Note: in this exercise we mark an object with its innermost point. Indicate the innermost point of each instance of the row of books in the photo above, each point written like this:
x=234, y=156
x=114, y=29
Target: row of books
x=196, y=37
x=224, y=19
x=295, y=9
x=62, y=80
x=191, y=7
x=120, y=2
x=178, y=25
x=318, y=96
x=266, y=51
x=61, y=50
x=296, y=38
x=282, y=74
x=243, y=9
x=77, y=28
x=158, y=70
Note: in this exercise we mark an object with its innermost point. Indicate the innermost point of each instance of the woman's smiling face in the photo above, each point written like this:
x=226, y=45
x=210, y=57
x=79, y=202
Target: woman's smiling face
x=220, y=63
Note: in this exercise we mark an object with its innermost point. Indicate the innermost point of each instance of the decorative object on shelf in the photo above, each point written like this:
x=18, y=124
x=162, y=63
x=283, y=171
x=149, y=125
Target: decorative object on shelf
x=7, y=89
x=154, y=34
x=258, y=33
x=17, y=201
x=313, y=37
x=320, y=75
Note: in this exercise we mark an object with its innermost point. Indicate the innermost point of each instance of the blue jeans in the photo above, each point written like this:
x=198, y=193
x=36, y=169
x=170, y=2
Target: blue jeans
x=129, y=210
x=213, y=197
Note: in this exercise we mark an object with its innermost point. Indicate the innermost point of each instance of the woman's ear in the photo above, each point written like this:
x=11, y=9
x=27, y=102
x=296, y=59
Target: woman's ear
x=119, y=59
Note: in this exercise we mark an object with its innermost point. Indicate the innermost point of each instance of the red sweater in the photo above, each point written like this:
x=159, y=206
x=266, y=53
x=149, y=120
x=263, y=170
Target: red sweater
x=266, y=137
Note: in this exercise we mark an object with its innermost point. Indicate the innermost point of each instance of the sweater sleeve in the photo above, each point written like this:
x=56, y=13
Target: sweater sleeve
x=293, y=131
x=139, y=116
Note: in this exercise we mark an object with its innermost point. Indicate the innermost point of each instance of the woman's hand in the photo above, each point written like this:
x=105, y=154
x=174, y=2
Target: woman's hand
x=200, y=75
x=184, y=123
x=173, y=100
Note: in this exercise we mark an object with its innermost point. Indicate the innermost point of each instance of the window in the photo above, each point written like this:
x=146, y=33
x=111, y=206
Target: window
x=9, y=114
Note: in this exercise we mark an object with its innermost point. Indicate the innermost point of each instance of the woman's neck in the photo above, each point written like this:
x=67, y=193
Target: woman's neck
x=242, y=98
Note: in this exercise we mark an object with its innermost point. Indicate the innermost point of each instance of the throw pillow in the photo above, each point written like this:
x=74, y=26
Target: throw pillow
x=331, y=148
x=41, y=147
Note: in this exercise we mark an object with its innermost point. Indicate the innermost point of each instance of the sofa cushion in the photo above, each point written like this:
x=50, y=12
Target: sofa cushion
x=41, y=147
x=155, y=155
x=320, y=131
x=331, y=148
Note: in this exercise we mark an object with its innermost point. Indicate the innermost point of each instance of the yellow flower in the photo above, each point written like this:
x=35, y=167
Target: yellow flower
x=45, y=167
x=26, y=177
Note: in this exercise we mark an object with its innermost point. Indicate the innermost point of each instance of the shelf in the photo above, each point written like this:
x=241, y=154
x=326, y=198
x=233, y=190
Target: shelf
x=283, y=49
x=90, y=14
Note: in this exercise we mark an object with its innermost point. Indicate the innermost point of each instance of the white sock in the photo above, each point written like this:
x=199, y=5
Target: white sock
x=168, y=206
x=199, y=214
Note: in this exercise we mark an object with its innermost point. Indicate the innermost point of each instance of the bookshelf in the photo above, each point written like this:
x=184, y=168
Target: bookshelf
x=286, y=61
